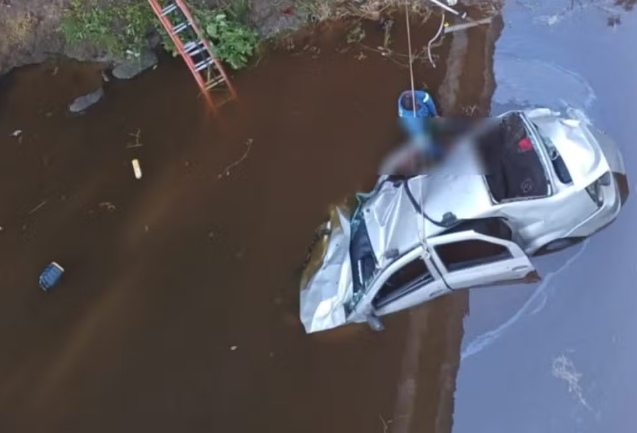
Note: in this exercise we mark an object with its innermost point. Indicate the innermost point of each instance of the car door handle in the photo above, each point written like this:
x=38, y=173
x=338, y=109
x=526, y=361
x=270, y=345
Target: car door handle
x=520, y=268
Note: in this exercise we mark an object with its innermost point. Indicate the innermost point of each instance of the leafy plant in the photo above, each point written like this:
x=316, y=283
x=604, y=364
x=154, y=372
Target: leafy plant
x=233, y=38
x=233, y=42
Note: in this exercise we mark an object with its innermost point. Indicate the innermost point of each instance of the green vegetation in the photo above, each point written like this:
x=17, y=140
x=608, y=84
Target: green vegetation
x=122, y=29
x=233, y=38
x=119, y=29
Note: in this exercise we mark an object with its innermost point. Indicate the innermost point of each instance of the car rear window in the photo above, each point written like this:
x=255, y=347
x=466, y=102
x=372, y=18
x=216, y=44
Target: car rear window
x=513, y=167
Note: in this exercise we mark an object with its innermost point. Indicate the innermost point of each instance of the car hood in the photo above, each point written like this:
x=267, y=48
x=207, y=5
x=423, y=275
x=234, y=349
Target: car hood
x=326, y=284
x=578, y=147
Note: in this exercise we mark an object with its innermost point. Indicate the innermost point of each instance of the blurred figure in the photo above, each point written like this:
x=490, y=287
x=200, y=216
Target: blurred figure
x=427, y=147
x=414, y=111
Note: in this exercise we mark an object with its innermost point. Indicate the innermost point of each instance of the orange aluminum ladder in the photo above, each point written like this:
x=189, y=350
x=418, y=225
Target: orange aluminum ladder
x=193, y=46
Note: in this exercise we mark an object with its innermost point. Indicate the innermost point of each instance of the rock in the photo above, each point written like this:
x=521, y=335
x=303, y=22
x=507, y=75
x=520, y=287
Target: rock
x=83, y=102
x=134, y=67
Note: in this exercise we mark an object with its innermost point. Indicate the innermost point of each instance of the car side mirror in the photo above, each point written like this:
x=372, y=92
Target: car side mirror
x=374, y=322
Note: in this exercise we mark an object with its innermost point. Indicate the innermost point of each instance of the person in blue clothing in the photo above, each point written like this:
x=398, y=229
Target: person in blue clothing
x=414, y=119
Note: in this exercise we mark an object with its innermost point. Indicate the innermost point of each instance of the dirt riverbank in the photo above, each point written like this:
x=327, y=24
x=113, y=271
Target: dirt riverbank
x=30, y=30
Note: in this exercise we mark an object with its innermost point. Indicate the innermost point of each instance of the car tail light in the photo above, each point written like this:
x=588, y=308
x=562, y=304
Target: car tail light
x=594, y=190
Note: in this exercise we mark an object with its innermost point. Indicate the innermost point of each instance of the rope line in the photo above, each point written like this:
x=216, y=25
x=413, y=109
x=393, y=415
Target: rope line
x=411, y=62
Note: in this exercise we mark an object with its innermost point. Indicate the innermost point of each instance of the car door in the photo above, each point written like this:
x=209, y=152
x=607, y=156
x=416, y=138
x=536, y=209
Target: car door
x=468, y=259
x=410, y=280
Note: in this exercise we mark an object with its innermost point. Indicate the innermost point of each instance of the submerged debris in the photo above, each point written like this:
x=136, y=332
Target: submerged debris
x=356, y=34
x=108, y=206
x=226, y=171
x=135, y=66
x=137, y=135
x=38, y=207
x=84, y=102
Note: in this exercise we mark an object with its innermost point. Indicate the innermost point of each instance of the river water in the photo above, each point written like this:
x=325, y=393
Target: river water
x=560, y=356
x=179, y=308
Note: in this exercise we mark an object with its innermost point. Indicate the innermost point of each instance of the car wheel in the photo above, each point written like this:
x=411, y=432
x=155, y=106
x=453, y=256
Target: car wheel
x=558, y=245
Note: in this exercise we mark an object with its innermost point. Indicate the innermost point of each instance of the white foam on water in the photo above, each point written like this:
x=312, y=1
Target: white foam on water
x=527, y=82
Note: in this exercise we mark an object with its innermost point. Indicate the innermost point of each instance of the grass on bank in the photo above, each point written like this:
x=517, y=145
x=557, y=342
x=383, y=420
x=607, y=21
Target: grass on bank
x=326, y=10
x=124, y=29
x=120, y=29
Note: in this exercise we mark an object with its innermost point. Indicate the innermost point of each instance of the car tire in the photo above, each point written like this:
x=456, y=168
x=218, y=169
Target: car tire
x=557, y=245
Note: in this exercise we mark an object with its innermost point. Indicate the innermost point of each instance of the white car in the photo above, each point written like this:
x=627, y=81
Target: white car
x=521, y=184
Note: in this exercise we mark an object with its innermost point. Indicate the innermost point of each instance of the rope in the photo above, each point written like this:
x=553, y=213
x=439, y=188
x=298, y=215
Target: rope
x=442, y=24
x=421, y=231
x=411, y=62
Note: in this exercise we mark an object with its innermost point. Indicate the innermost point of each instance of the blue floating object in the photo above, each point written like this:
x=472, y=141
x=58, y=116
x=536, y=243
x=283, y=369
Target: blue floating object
x=50, y=276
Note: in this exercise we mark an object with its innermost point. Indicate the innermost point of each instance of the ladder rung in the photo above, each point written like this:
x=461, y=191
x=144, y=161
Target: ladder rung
x=181, y=27
x=190, y=45
x=195, y=48
x=198, y=51
x=204, y=64
x=168, y=9
x=212, y=83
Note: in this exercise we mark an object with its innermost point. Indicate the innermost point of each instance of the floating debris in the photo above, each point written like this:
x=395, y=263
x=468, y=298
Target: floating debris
x=16, y=133
x=50, y=276
x=137, y=169
x=233, y=348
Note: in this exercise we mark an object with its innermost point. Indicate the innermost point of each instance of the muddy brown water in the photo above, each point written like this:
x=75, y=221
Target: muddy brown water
x=179, y=307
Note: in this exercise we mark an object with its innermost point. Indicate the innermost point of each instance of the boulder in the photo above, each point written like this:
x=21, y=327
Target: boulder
x=133, y=67
x=83, y=102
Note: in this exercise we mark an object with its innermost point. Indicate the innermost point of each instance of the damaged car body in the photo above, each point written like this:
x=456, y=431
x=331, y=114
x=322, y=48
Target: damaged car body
x=522, y=184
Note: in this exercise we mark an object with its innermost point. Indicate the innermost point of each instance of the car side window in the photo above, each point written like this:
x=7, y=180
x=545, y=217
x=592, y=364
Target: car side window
x=472, y=252
x=411, y=276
